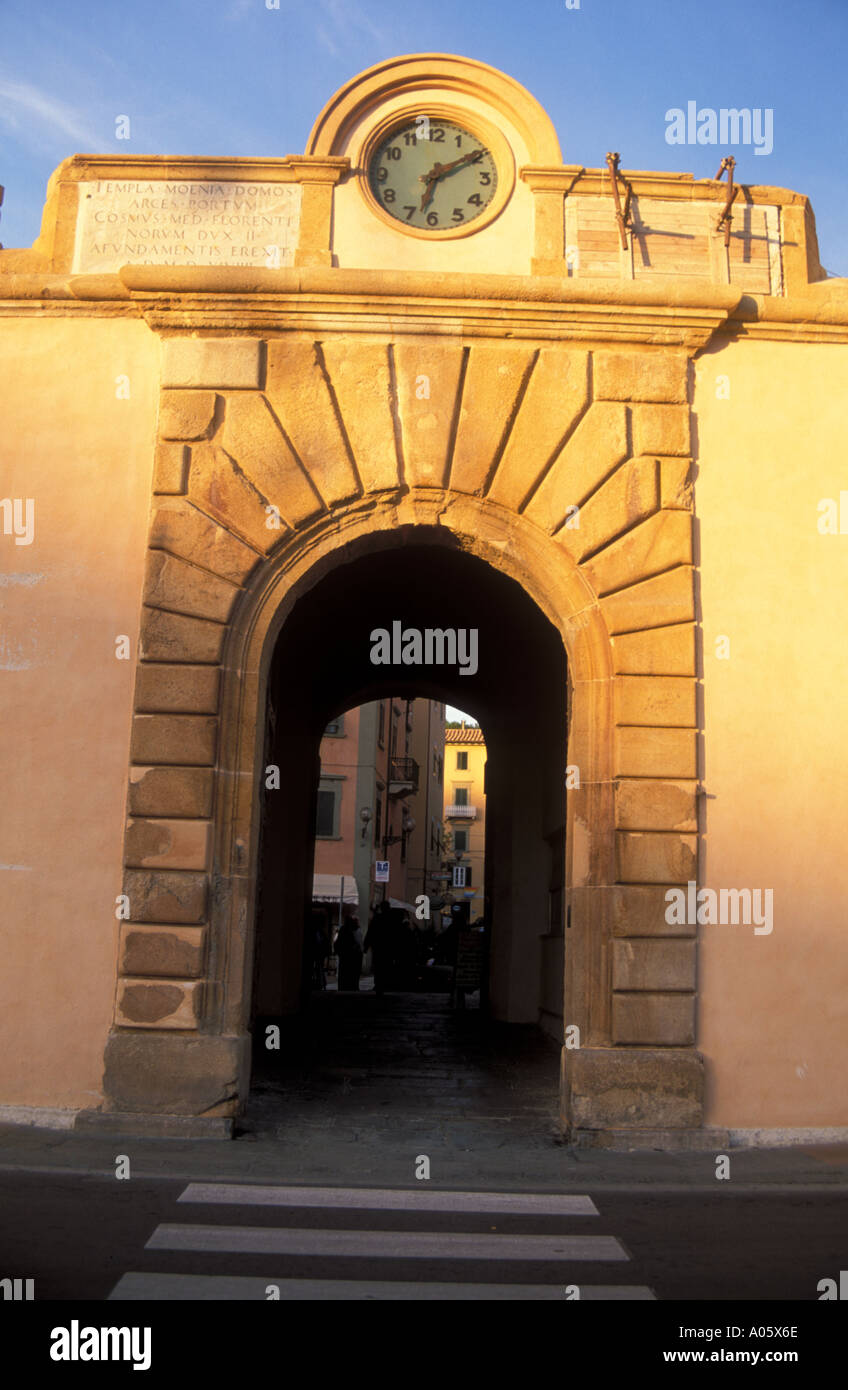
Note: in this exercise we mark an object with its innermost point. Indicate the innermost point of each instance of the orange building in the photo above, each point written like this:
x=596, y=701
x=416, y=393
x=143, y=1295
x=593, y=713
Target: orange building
x=379, y=799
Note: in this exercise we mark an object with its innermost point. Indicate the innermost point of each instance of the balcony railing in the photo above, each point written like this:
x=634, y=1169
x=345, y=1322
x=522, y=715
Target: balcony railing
x=403, y=776
x=461, y=812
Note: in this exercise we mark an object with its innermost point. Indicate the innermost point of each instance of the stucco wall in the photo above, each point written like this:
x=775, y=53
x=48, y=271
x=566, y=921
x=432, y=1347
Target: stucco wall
x=773, y=1011
x=85, y=457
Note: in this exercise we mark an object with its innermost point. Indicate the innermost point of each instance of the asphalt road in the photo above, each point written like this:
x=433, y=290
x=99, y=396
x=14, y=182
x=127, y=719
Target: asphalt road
x=78, y=1236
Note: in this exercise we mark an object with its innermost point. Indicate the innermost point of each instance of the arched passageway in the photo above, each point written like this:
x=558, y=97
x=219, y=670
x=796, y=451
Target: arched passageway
x=322, y=666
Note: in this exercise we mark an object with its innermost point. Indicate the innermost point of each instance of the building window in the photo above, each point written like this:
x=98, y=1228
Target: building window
x=325, y=825
x=462, y=761
x=460, y=796
x=335, y=728
x=460, y=840
x=461, y=876
x=381, y=725
x=378, y=827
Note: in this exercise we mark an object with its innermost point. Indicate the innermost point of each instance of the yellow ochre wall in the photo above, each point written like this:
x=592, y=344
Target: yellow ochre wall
x=773, y=1009
x=86, y=458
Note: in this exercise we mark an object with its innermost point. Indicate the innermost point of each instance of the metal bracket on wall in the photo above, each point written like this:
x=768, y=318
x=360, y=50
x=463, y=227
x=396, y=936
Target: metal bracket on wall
x=622, y=215
x=726, y=216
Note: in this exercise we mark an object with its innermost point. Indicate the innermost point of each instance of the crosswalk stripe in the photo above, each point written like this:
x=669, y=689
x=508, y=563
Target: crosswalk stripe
x=137, y=1287
x=448, y=1245
x=391, y=1199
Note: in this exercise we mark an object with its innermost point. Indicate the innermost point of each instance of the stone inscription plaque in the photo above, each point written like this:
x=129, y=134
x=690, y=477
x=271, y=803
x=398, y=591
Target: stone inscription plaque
x=175, y=222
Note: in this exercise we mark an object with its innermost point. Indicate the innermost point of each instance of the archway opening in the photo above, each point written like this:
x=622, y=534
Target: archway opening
x=507, y=667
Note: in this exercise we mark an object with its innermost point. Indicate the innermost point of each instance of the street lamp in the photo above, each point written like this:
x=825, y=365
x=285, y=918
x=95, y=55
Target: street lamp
x=366, y=817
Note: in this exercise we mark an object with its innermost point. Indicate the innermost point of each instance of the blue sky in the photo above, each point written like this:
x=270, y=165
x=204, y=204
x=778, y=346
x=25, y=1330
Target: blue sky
x=233, y=77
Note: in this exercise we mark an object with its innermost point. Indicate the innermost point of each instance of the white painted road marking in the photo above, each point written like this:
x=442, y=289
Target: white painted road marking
x=391, y=1199
x=448, y=1245
x=222, y=1287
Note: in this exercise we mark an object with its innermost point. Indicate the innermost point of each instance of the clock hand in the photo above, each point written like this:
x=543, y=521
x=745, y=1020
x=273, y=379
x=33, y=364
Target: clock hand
x=466, y=159
x=428, y=195
x=438, y=171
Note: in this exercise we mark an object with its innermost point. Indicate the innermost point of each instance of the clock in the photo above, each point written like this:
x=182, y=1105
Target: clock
x=436, y=175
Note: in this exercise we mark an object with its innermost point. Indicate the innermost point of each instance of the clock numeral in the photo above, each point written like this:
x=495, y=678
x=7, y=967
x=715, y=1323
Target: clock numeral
x=393, y=152
x=382, y=175
x=438, y=136
x=389, y=195
x=458, y=215
x=485, y=178
x=432, y=219
x=476, y=199
x=459, y=142
x=409, y=212
x=409, y=137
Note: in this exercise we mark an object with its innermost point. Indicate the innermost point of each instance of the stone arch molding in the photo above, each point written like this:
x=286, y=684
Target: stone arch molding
x=566, y=467
x=420, y=76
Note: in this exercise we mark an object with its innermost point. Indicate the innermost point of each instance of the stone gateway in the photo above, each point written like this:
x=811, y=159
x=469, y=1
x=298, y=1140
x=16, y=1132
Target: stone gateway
x=243, y=396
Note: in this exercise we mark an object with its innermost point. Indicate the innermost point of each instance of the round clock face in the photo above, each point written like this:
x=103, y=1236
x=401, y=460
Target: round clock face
x=432, y=175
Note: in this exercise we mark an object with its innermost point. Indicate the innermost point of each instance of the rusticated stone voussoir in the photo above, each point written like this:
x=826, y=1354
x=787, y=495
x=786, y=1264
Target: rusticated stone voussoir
x=661, y=429
x=191, y=535
x=655, y=752
x=650, y=856
x=631, y=495
x=174, y=738
x=167, y=636
x=176, y=688
x=212, y=362
x=588, y=457
x=659, y=377
x=660, y=651
x=162, y=895
x=167, y=844
x=655, y=700
x=659, y=543
x=640, y=910
x=361, y=380
x=159, y=1004
x=657, y=964
x=163, y=950
x=186, y=414
x=182, y=588
x=647, y=1020
x=665, y=600
x=170, y=468
x=296, y=385
x=648, y=803
x=171, y=791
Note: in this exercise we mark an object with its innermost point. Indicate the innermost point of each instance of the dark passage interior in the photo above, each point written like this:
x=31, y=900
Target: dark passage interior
x=322, y=666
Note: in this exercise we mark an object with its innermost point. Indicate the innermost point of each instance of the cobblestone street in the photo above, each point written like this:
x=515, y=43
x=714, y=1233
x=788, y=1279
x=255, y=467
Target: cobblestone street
x=357, y=1060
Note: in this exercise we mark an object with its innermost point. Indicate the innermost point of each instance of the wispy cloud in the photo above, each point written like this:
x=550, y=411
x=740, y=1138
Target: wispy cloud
x=24, y=103
x=356, y=16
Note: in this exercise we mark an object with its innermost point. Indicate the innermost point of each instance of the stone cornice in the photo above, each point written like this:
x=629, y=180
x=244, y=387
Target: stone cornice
x=577, y=180
x=291, y=168
x=225, y=299
x=437, y=303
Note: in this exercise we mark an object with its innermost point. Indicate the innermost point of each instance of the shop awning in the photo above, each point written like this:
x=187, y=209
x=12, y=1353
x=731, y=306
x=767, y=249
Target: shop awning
x=325, y=888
